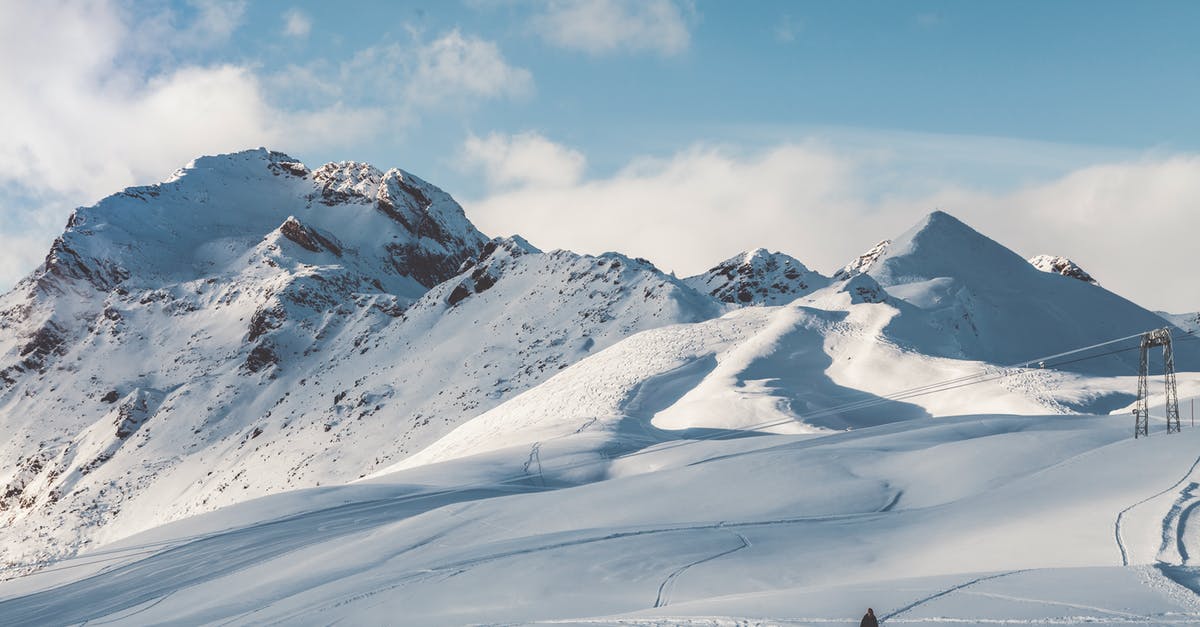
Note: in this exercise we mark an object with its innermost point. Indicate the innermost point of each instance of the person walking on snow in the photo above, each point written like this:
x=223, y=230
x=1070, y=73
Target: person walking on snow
x=869, y=619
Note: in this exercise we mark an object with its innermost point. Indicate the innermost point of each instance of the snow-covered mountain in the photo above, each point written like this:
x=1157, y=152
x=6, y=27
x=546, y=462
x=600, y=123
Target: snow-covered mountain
x=252, y=326
x=759, y=277
x=989, y=304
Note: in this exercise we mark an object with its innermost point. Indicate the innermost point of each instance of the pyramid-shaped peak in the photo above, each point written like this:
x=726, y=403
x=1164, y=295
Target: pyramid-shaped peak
x=941, y=245
x=938, y=225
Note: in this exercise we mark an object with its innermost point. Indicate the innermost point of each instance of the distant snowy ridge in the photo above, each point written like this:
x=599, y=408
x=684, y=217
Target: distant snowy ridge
x=940, y=302
x=758, y=277
x=1189, y=322
x=1063, y=266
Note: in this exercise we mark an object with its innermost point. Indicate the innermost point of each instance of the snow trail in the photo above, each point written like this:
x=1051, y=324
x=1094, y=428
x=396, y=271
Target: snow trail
x=664, y=589
x=938, y=595
x=1121, y=515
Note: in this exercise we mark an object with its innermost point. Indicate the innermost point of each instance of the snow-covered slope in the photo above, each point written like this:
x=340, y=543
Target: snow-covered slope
x=824, y=362
x=1189, y=322
x=250, y=327
x=758, y=277
x=972, y=520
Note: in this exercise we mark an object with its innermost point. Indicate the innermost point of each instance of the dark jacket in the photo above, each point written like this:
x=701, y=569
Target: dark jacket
x=869, y=621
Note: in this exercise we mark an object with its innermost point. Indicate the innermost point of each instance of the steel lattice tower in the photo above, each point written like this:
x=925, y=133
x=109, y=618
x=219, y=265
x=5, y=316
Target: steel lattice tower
x=1141, y=413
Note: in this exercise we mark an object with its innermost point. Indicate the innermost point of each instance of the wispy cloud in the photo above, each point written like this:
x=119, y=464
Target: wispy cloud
x=928, y=20
x=787, y=29
x=456, y=65
x=453, y=70
x=523, y=159
x=296, y=23
x=615, y=26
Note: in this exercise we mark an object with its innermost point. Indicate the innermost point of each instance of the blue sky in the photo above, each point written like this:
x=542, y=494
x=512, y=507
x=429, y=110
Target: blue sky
x=675, y=130
x=1111, y=74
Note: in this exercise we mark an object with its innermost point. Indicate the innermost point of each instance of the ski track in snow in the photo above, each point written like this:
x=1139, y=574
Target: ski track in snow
x=664, y=589
x=951, y=590
x=465, y=564
x=1184, y=517
x=1121, y=515
x=1164, y=576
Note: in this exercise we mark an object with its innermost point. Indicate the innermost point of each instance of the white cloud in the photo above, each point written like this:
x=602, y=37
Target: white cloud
x=527, y=158
x=691, y=210
x=455, y=66
x=1130, y=223
x=296, y=23
x=607, y=26
x=453, y=70
x=205, y=24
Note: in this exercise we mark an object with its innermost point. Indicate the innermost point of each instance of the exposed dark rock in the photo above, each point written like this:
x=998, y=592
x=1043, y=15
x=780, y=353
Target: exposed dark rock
x=388, y=209
x=308, y=237
x=482, y=279
x=44, y=343
x=460, y=292
x=131, y=415
x=64, y=263
x=265, y=320
x=426, y=268
x=95, y=463
x=293, y=168
x=110, y=397
x=260, y=357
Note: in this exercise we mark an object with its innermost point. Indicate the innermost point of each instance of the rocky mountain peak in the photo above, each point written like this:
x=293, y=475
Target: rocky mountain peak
x=1061, y=265
x=758, y=277
x=347, y=181
x=863, y=263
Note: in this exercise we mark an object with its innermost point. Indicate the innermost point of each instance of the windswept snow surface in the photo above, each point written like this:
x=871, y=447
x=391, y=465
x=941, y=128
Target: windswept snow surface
x=963, y=520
